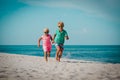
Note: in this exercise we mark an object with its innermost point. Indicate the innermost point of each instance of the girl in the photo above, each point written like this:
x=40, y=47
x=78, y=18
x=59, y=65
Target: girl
x=46, y=38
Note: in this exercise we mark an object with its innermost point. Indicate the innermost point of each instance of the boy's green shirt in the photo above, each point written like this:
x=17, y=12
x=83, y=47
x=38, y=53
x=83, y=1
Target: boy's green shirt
x=60, y=36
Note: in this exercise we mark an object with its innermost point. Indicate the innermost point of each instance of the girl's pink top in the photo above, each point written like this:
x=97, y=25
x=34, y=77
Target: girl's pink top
x=46, y=42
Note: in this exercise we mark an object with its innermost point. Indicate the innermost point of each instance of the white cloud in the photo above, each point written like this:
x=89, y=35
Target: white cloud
x=108, y=9
x=50, y=3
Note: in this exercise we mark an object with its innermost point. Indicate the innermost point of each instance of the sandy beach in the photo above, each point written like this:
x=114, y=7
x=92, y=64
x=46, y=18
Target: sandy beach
x=22, y=67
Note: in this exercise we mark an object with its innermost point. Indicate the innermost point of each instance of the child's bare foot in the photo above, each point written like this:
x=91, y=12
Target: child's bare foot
x=57, y=58
x=46, y=59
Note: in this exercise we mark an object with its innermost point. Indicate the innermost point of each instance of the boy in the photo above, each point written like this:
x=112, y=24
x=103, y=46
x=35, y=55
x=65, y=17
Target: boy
x=59, y=39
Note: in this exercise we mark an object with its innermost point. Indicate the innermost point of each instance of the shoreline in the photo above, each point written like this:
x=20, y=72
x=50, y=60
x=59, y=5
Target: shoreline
x=53, y=58
x=24, y=67
x=63, y=58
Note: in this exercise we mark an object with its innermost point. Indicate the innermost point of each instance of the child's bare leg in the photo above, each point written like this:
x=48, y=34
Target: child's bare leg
x=45, y=56
x=48, y=54
x=60, y=54
x=57, y=53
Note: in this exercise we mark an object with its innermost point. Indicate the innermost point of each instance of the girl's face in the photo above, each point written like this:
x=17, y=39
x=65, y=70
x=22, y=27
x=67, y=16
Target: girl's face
x=46, y=31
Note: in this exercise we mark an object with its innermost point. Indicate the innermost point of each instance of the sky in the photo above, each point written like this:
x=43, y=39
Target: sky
x=87, y=22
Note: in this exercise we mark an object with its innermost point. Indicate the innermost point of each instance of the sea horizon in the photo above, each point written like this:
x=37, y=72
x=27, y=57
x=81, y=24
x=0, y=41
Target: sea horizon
x=99, y=53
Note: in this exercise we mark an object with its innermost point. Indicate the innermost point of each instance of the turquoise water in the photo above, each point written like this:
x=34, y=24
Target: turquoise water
x=100, y=53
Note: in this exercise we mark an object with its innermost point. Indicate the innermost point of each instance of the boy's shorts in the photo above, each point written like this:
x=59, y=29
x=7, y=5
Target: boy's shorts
x=59, y=45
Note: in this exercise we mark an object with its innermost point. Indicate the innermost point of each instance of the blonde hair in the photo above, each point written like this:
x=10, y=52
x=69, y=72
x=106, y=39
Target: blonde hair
x=60, y=24
x=46, y=30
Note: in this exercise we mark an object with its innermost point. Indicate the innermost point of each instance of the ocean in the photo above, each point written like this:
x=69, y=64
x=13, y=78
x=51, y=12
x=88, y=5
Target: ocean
x=98, y=53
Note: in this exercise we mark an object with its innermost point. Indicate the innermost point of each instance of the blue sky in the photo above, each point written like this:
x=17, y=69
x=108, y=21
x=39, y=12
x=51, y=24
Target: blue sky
x=88, y=22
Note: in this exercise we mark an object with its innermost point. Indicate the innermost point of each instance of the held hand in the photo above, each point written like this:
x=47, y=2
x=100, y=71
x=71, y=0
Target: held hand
x=53, y=41
x=38, y=45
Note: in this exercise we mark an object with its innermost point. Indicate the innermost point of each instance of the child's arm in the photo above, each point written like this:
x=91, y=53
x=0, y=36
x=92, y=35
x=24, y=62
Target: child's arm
x=53, y=38
x=39, y=41
x=66, y=37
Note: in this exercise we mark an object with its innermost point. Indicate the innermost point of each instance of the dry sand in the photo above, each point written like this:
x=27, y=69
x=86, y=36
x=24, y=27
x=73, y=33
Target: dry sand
x=22, y=67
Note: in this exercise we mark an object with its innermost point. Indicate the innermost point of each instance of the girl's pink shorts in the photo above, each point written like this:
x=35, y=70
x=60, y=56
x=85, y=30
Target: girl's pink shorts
x=47, y=48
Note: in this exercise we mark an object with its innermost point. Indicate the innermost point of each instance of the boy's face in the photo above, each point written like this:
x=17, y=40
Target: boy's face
x=60, y=26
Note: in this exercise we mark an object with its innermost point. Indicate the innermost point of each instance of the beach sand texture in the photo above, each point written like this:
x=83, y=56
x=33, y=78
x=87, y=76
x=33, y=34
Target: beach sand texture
x=22, y=67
